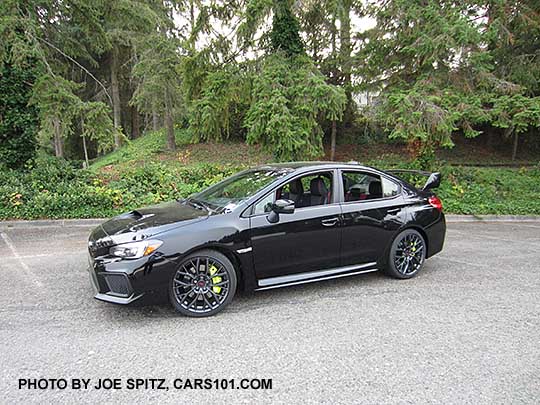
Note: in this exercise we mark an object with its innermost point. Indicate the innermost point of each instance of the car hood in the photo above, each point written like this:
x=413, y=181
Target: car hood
x=155, y=219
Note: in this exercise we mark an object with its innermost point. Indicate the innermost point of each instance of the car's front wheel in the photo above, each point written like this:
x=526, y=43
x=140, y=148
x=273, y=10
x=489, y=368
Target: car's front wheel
x=203, y=284
x=406, y=255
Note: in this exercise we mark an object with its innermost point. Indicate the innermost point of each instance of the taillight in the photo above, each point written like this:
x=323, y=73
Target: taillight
x=435, y=202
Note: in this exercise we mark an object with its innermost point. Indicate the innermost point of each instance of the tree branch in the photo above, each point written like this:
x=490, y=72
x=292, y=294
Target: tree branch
x=78, y=64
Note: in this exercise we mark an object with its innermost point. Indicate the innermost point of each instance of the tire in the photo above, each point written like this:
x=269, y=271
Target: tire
x=203, y=284
x=407, y=255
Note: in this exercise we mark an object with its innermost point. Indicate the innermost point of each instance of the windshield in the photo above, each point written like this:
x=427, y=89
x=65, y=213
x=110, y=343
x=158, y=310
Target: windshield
x=227, y=194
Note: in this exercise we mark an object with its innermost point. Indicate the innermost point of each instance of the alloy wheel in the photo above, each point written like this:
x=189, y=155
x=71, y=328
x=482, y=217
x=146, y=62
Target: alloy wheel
x=410, y=254
x=201, y=284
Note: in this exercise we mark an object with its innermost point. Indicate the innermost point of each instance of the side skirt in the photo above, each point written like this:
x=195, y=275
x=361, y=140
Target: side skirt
x=313, y=276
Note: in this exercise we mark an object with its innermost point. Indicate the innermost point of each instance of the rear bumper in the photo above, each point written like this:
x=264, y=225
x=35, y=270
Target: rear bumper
x=436, y=234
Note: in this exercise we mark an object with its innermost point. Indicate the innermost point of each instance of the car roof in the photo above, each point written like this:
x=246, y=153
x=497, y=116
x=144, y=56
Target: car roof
x=299, y=166
x=292, y=169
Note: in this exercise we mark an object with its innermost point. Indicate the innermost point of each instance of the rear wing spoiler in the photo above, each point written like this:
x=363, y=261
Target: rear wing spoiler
x=433, y=181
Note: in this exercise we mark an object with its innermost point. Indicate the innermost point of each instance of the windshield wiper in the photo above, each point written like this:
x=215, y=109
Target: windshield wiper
x=200, y=205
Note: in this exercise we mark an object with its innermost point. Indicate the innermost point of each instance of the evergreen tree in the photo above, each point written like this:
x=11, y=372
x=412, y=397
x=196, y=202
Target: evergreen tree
x=434, y=64
x=18, y=121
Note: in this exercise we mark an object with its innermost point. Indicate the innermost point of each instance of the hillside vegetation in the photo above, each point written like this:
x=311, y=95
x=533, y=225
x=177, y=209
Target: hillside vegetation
x=144, y=173
x=157, y=99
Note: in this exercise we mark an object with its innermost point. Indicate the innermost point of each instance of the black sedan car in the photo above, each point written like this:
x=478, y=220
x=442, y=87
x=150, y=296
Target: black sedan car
x=271, y=226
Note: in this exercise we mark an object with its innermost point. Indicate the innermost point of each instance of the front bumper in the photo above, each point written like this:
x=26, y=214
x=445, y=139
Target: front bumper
x=110, y=291
x=125, y=281
x=117, y=300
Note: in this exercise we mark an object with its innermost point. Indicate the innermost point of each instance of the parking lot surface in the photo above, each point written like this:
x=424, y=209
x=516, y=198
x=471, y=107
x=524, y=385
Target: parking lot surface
x=466, y=330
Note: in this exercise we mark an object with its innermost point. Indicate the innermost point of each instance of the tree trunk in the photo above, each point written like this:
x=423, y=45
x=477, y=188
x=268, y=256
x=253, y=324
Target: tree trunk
x=333, y=43
x=58, y=141
x=333, y=140
x=155, y=120
x=117, y=109
x=490, y=138
x=169, y=124
x=85, y=152
x=192, y=15
x=345, y=51
x=135, y=132
x=515, y=147
x=85, y=149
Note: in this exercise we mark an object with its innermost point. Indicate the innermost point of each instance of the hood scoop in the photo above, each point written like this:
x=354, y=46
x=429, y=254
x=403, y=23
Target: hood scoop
x=137, y=215
x=143, y=216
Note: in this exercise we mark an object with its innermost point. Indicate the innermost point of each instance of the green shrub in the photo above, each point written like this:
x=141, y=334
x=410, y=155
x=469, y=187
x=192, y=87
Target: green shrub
x=477, y=191
x=54, y=188
x=18, y=120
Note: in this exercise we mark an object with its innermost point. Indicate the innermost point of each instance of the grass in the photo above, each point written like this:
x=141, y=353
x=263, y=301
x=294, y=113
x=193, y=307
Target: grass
x=465, y=190
x=477, y=191
x=152, y=148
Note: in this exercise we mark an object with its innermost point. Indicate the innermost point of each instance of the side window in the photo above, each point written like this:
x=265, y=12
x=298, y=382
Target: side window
x=389, y=188
x=359, y=186
x=306, y=191
x=309, y=191
x=264, y=205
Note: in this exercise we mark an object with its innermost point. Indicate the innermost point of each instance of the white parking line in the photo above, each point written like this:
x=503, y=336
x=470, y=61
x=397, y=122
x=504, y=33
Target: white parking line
x=43, y=255
x=29, y=274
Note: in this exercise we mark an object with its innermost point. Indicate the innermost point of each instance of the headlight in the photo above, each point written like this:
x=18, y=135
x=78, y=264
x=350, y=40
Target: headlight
x=135, y=250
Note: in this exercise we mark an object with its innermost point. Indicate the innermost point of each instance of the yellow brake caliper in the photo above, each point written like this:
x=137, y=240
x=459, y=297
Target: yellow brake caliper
x=215, y=280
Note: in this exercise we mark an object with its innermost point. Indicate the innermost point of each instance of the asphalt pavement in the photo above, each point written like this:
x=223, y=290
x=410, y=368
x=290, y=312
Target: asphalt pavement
x=466, y=330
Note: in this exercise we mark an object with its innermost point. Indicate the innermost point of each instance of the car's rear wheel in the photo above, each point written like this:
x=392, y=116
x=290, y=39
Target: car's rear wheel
x=203, y=284
x=406, y=255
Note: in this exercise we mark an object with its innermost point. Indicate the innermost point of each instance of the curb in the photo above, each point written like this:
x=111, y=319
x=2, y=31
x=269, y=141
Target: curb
x=91, y=222
x=52, y=223
x=492, y=218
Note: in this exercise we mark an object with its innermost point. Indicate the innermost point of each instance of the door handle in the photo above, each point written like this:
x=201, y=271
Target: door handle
x=394, y=211
x=329, y=221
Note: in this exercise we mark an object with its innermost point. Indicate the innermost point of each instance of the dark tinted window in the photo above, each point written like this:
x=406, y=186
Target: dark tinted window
x=235, y=189
x=306, y=191
x=359, y=186
x=389, y=188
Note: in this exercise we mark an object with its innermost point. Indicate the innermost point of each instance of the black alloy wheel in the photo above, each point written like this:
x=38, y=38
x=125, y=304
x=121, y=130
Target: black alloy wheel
x=203, y=284
x=407, y=254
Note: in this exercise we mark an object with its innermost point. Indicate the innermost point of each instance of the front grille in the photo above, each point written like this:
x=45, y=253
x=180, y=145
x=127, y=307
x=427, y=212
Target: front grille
x=99, y=242
x=118, y=284
x=99, y=247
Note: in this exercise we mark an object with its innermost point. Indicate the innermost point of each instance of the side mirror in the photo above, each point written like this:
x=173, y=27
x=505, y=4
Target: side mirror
x=433, y=181
x=280, y=207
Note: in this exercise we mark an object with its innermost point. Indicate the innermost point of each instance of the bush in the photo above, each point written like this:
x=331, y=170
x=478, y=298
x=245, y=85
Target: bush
x=18, y=122
x=53, y=188
x=477, y=191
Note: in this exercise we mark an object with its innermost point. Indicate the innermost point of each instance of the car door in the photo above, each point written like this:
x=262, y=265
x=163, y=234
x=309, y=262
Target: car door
x=307, y=240
x=371, y=215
